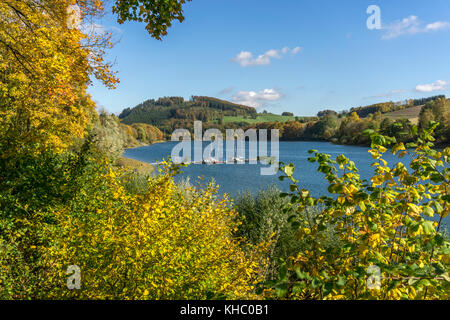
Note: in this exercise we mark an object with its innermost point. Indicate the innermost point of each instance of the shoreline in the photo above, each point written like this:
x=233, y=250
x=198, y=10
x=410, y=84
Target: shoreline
x=144, y=145
x=438, y=146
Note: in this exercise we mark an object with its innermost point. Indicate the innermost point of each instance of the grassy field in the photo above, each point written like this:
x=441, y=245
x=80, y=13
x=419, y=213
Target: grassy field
x=411, y=113
x=262, y=117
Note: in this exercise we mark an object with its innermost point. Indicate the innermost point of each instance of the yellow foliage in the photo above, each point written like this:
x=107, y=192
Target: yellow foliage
x=45, y=66
x=157, y=245
x=391, y=230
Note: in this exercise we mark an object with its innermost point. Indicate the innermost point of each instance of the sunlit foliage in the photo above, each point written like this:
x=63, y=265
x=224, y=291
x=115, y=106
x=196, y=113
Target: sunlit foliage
x=45, y=63
x=392, y=221
x=157, y=244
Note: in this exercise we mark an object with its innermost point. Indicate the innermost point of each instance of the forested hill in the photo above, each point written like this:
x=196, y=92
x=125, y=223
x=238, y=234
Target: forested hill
x=170, y=113
x=344, y=127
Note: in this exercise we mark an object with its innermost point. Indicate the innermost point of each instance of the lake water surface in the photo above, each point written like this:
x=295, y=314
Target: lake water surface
x=234, y=178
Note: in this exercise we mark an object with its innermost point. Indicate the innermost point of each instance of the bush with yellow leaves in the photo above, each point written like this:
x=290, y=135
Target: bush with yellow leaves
x=156, y=245
x=391, y=243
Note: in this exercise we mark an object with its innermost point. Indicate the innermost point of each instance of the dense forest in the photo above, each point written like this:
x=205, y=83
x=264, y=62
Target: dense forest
x=348, y=127
x=171, y=113
x=345, y=127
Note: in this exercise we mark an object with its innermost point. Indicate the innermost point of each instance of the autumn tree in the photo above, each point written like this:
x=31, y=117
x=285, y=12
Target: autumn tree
x=46, y=61
x=437, y=110
x=48, y=51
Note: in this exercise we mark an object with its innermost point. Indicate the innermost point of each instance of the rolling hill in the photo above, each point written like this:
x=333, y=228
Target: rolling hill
x=170, y=113
x=412, y=114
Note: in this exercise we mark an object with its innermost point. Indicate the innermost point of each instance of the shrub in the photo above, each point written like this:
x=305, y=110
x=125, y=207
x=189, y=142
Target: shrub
x=58, y=210
x=391, y=224
x=265, y=219
x=155, y=245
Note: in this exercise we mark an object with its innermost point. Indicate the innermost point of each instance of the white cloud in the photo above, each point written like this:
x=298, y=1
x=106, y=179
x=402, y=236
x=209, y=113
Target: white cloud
x=411, y=25
x=439, y=85
x=437, y=25
x=246, y=58
x=296, y=50
x=256, y=99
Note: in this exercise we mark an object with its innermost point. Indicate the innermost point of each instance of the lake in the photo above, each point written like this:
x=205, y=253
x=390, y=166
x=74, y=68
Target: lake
x=233, y=178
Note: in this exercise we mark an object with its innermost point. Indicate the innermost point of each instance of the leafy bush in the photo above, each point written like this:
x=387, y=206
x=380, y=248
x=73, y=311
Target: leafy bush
x=32, y=187
x=261, y=215
x=391, y=224
x=265, y=219
x=77, y=209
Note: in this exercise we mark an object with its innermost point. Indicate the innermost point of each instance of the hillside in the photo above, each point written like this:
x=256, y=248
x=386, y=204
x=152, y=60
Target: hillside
x=412, y=114
x=389, y=118
x=263, y=117
x=170, y=113
x=345, y=127
x=404, y=109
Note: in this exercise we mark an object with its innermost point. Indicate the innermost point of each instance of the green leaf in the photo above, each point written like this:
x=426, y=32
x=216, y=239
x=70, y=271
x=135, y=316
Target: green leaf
x=301, y=275
x=438, y=207
x=289, y=170
x=310, y=201
x=341, y=281
x=281, y=290
x=368, y=132
x=428, y=211
x=428, y=227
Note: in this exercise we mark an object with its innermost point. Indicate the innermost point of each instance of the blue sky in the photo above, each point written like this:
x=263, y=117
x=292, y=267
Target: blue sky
x=285, y=55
